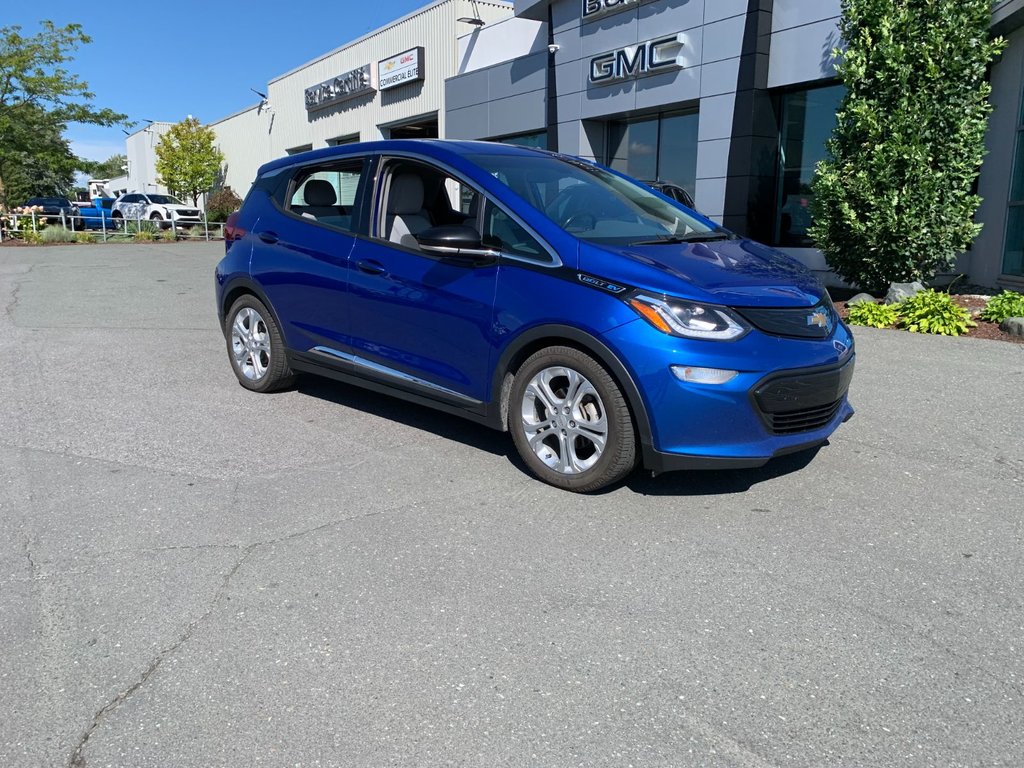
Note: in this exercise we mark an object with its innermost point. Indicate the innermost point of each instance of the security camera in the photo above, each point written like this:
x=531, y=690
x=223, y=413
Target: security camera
x=553, y=48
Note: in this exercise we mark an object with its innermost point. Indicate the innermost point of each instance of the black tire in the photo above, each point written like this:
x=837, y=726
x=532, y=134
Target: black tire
x=116, y=220
x=158, y=221
x=612, y=463
x=271, y=372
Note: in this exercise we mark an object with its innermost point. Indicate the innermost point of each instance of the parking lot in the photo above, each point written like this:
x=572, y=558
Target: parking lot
x=195, y=575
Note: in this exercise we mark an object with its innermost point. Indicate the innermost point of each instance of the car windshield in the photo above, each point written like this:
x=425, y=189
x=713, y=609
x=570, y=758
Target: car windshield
x=592, y=203
x=164, y=200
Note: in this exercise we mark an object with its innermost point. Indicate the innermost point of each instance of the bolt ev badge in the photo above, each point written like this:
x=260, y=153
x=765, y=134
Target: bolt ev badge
x=840, y=347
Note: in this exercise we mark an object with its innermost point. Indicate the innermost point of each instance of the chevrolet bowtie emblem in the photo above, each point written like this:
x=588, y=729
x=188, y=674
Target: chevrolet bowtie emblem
x=819, y=319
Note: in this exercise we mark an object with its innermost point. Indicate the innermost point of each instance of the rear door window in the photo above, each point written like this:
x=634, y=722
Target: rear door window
x=329, y=194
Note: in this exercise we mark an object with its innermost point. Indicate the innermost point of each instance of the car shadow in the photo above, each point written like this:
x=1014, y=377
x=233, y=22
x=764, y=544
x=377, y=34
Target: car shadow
x=410, y=414
x=686, y=483
x=718, y=482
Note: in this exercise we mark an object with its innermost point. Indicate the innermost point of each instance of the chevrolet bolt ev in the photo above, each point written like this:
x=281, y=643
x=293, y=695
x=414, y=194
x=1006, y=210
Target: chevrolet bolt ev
x=604, y=325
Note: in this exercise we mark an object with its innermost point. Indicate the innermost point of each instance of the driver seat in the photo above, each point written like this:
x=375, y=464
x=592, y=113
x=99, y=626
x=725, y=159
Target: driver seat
x=406, y=216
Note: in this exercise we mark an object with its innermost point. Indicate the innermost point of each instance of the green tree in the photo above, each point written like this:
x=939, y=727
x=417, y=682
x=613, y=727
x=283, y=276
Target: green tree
x=110, y=168
x=187, y=160
x=38, y=98
x=894, y=201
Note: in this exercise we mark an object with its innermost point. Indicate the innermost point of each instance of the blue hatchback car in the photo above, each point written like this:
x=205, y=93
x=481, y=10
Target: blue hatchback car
x=601, y=323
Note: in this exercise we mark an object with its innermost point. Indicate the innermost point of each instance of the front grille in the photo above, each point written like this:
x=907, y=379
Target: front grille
x=818, y=322
x=806, y=420
x=802, y=402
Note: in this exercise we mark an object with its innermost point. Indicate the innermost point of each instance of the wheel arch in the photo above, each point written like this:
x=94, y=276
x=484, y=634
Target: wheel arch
x=539, y=338
x=237, y=288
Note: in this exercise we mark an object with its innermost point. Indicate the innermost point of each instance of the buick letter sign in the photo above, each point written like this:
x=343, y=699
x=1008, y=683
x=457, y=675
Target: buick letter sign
x=340, y=88
x=636, y=60
x=404, y=68
x=593, y=9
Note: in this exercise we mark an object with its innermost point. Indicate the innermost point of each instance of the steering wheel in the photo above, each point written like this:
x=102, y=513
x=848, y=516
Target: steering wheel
x=579, y=222
x=576, y=214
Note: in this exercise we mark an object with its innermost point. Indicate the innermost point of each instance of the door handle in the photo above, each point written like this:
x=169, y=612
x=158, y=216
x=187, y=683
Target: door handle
x=371, y=267
x=268, y=237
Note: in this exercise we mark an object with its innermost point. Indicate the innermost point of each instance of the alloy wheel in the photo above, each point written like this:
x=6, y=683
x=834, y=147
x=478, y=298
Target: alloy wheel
x=250, y=344
x=564, y=420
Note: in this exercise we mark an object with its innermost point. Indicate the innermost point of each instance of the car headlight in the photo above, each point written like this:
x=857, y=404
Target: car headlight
x=688, y=319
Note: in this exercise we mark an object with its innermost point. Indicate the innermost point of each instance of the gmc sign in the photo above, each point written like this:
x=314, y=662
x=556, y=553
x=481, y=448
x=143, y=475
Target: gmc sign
x=636, y=60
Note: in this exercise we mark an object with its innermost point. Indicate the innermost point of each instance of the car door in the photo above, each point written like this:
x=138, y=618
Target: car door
x=419, y=320
x=125, y=206
x=301, y=246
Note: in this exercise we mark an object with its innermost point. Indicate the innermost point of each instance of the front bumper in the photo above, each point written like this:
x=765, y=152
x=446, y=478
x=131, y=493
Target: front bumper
x=788, y=395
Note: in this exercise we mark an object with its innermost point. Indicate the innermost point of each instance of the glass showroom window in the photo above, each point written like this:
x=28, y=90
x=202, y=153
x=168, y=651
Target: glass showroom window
x=808, y=119
x=538, y=140
x=657, y=148
x=1013, y=248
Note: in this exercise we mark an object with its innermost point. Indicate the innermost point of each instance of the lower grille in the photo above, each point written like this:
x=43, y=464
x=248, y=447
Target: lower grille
x=802, y=402
x=802, y=421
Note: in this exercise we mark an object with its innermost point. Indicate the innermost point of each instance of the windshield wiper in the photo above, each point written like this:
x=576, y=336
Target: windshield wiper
x=693, y=237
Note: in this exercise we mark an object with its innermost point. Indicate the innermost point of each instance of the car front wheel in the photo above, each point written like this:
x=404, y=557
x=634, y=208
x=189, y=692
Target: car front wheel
x=570, y=422
x=255, y=347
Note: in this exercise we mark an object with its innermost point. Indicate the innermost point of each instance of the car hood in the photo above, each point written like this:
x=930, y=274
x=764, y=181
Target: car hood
x=739, y=273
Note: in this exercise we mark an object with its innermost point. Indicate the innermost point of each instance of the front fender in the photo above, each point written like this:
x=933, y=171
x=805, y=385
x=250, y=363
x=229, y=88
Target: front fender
x=538, y=337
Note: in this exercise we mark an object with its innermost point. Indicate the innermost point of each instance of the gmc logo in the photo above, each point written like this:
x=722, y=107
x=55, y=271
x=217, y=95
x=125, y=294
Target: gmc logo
x=636, y=60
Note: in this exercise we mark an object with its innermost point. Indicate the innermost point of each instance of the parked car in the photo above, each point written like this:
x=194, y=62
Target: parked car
x=53, y=207
x=97, y=214
x=599, y=323
x=674, y=191
x=160, y=209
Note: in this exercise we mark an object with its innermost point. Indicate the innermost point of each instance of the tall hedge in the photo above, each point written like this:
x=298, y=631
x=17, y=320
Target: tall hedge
x=894, y=201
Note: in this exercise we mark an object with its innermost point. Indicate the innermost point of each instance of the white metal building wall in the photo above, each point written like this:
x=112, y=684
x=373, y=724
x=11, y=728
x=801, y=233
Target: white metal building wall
x=254, y=136
x=244, y=138
x=140, y=149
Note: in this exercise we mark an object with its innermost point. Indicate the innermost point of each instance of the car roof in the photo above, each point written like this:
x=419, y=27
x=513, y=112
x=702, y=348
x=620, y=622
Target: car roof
x=438, y=149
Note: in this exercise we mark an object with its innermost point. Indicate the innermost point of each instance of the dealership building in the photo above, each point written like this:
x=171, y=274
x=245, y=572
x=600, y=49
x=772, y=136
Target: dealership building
x=730, y=99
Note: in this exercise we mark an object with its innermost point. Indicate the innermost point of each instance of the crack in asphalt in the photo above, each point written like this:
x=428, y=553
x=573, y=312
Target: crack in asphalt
x=12, y=305
x=77, y=759
x=33, y=570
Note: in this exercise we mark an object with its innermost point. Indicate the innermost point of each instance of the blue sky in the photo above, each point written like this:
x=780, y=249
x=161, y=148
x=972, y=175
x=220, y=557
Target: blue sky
x=164, y=61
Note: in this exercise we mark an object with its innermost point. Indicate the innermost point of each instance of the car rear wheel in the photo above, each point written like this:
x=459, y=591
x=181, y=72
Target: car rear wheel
x=570, y=422
x=116, y=220
x=255, y=347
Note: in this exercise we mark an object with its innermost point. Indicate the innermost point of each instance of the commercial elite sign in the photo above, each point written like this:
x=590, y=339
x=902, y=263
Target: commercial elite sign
x=340, y=88
x=406, y=67
x=635, y=60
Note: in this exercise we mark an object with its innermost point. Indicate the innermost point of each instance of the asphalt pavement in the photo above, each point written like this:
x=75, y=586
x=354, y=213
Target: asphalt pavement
x=195, y=575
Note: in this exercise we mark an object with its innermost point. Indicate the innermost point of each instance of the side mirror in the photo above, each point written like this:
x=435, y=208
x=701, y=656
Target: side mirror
x=456, y=242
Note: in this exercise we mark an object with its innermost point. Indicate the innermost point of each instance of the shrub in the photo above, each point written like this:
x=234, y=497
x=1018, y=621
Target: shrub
x=139, y=227
x=56, y=235
x=32, y=237
x=167, y=235
x=84, y=237
x=931, y=311
x=1006, y=304
x=222, y=204
x=873, y=315
x=894, y=200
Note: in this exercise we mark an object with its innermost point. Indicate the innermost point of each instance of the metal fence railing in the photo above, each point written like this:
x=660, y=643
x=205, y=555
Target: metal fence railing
x=40, y=228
